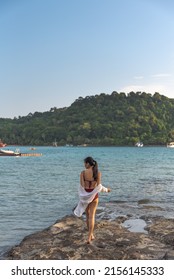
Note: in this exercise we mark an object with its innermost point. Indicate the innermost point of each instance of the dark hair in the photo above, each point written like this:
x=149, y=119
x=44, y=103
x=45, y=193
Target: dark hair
x=94, y=165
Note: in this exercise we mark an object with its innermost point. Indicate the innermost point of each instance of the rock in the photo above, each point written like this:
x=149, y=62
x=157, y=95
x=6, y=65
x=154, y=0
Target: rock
x=66, y=240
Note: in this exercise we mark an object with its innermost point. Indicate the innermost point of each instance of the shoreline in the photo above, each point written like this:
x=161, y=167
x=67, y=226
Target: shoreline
x=114, y=240
x=87, y=146
x=134, y=217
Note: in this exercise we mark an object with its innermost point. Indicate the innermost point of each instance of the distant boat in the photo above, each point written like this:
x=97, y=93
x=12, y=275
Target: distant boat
x=139, y=144
x=170, y=145
x=55, y=143
x=17, y=153
x=68, y=145
x=9, y=153
x=2, y=144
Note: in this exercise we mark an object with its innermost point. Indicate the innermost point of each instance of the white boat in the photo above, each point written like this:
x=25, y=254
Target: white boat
x=170, y=145
x=9, y=153
x=139, y=144
x=55, y=143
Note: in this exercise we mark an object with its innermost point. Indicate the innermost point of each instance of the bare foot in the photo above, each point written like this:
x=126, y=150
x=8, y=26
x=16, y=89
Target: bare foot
x=92, y=237
x=89, y=240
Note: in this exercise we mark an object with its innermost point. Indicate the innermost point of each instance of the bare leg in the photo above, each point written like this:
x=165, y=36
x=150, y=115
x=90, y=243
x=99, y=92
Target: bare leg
x=87, y=217
x=91, y=219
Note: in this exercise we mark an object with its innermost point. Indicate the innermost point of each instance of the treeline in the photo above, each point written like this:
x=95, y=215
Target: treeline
x=115, y=119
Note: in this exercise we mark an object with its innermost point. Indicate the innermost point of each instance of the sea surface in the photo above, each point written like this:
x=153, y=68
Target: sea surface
x=37, y=191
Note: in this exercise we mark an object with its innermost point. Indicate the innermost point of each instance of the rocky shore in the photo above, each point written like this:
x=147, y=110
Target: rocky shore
x=66, y=240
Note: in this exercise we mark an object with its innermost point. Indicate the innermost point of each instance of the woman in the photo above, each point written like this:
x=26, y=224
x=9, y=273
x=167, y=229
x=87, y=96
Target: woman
x=90, y=181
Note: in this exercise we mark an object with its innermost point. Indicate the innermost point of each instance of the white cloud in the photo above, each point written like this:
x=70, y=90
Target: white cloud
x=138, y=77
x=151, y=88
x=161, y=75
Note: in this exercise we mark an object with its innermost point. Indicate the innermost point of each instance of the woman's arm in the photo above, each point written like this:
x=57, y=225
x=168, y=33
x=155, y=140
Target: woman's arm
x=99, y=178
x=82, y=182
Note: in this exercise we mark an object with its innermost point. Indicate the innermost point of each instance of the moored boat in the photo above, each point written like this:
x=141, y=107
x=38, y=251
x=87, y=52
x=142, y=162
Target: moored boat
x=170, y=145
x=9, y=153
x=55, y=143
x=17, y=153
x=139, y=144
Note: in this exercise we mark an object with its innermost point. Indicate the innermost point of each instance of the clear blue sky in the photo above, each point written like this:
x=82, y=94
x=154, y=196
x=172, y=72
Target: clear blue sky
x=53, y=51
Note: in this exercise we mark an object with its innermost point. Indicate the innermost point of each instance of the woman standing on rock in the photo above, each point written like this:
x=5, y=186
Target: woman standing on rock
x=90, y=186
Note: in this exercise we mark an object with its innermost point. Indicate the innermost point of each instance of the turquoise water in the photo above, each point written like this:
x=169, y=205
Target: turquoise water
x=36, y=191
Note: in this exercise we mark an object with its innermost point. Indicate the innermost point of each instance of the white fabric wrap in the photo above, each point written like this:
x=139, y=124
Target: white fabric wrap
x=86, y=198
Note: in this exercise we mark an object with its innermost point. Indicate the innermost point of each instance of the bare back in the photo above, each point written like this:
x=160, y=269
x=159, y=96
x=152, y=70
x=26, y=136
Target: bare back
x=87, y=181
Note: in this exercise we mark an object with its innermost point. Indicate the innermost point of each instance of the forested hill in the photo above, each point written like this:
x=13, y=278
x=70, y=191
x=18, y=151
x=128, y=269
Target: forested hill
x=115, y=119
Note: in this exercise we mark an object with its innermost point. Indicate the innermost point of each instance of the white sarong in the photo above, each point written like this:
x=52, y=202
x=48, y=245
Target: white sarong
x=86, y=198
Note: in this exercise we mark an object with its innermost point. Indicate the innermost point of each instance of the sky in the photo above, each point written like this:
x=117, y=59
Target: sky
x=54, y=51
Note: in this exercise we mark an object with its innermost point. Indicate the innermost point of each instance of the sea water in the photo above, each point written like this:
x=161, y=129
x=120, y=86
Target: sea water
x=37, y=191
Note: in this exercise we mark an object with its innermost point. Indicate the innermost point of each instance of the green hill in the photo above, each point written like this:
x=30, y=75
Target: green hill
x=115, y=119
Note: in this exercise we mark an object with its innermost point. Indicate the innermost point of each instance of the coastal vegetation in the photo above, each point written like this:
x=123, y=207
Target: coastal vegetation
x=104, y=119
